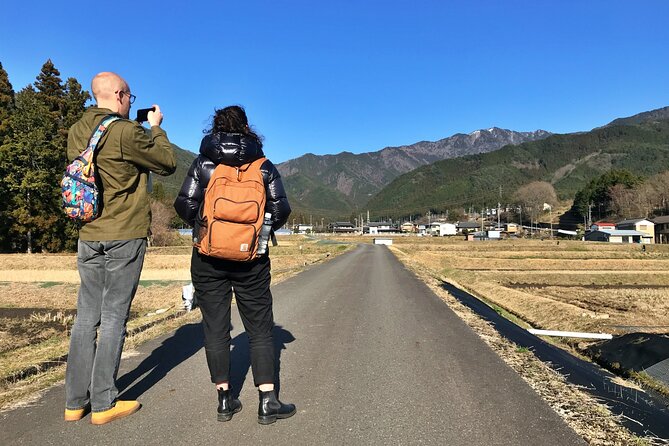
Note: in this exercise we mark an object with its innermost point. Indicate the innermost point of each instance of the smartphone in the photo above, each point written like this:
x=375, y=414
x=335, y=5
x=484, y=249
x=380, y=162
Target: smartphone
x=143, y=114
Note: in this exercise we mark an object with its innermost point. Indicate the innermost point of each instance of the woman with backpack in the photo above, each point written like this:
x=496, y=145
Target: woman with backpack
x=231, y=162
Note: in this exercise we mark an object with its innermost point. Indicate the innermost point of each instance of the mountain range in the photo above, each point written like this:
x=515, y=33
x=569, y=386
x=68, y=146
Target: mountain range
x=639, y=144
x=463, y=168
x=330, y=185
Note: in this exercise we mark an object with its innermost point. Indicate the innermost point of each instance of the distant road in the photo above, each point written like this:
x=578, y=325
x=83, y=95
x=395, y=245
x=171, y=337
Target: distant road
x=368, y=354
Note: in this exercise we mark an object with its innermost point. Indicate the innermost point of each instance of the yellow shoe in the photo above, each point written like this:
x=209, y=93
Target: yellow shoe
x=75, y=414
x=120, y=410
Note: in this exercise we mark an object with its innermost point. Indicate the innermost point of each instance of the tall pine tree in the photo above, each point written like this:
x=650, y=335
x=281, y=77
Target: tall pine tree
x=51, y=88
x=27, y=181
x=6, y=103
x=6, y=110
x=33, y=160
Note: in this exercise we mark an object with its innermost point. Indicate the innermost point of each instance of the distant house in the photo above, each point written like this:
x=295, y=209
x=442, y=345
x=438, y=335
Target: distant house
x=380, y=227
x=661, y=229
x=408, y=227
x=485, y=235
x=305, y=229
x=468, y=225
x=640, y=224
x=342, y=227
x=618, y=236
x=596, y=226
x=511, y=228
x=442, y=229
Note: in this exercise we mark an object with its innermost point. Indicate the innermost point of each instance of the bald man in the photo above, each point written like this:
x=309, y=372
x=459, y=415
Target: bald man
x=111, y=248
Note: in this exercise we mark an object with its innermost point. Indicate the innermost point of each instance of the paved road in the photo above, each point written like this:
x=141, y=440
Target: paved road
x=367, y=353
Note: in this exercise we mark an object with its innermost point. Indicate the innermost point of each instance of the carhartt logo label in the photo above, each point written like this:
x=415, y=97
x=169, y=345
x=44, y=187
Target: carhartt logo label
x=244, y=247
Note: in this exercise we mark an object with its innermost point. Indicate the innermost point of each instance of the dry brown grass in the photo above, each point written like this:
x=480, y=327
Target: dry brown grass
x=573, y=286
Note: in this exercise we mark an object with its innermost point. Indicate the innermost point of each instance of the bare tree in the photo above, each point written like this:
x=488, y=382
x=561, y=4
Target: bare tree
x=533, y=196
x=659, y=191
x=161, y=232
x=623, y=203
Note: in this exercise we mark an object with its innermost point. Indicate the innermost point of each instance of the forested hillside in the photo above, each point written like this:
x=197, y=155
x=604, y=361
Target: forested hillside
x=568, y=162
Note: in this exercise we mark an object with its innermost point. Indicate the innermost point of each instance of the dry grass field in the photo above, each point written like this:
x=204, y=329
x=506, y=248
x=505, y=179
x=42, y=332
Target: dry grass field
x=570, y=285
x=38, y=295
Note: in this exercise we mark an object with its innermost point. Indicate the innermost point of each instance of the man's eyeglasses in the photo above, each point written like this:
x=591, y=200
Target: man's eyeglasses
x=131, y=97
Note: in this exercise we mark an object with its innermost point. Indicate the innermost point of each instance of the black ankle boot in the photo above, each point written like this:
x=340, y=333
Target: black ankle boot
x=227, y=405
x=270, y=408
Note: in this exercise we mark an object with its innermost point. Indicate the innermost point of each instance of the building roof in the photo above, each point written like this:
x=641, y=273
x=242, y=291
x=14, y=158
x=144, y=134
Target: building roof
x=661, y=219
x=468, y=224
x=622, y=232
x=632, y=221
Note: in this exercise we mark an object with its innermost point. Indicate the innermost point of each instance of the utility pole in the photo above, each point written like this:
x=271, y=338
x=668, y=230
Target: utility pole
x=499, y=205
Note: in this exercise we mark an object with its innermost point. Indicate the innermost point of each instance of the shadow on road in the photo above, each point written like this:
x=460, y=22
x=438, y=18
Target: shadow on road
x=185, y=342
x=240, y=358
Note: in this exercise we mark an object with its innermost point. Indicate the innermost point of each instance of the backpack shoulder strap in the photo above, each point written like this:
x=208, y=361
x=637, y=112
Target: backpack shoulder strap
x=100, y=130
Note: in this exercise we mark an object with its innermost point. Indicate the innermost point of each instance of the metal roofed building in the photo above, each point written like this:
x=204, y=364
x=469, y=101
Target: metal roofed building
x=661, y=229
x=638, y=224
x=618, y=236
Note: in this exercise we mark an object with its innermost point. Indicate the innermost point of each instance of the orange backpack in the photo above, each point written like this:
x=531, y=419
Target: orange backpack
x=232, y=212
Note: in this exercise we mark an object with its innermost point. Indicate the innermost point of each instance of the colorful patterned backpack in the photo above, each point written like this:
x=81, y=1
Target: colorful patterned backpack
x=81, y=196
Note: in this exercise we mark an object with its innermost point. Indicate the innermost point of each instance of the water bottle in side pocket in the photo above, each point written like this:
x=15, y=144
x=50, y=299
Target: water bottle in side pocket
x=265, y=233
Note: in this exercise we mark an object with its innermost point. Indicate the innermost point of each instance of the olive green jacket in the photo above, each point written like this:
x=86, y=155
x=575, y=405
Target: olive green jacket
x=125, y=155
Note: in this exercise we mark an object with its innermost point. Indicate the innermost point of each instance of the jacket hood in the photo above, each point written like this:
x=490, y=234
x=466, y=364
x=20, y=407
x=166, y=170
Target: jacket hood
x=231, y=149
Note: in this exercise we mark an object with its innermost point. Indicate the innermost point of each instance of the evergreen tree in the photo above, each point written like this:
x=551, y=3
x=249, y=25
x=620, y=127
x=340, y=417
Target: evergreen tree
x=32, y=161
x=6, y=103
x=6, y=110
x=51, y=88
x=28, y=182
x=74, y=102
x=596, y=193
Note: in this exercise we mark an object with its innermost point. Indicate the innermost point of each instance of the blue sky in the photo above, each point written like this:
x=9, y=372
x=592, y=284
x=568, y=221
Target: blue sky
x=324, y=77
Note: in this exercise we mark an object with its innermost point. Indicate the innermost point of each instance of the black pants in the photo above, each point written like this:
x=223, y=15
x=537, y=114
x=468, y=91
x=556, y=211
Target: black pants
x=213, y=280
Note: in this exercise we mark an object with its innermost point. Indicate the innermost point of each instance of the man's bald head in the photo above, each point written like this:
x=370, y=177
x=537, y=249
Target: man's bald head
x=106, y=84
x=106, y=87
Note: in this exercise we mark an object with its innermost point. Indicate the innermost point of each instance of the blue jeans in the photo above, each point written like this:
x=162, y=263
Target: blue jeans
x=109, y=272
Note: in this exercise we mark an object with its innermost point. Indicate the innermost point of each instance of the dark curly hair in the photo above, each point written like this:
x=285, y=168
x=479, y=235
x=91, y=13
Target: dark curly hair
x=232, y=119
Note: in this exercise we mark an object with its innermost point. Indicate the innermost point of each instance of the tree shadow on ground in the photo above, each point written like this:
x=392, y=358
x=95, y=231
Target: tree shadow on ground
x=185, y=342
x=240, y=358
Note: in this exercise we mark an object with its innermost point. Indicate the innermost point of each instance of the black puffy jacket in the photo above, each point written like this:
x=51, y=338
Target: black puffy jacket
x=231, y=149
